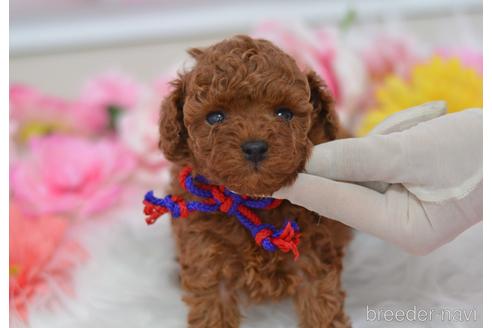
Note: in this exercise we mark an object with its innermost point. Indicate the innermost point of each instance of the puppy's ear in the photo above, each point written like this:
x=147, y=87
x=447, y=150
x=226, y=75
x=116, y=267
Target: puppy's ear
x=173, y=134
x=196, y=53
x=324, y=122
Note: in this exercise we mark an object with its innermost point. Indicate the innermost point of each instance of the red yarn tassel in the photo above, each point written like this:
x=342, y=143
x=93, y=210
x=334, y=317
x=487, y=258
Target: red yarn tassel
x=153, y=212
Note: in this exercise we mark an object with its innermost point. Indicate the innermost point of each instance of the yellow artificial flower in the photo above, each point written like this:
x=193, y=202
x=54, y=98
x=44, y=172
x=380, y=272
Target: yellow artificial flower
x=436, y=79
x=38, y=128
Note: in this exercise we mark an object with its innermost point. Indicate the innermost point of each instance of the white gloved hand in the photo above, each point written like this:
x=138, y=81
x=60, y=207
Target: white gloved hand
x=432, y=163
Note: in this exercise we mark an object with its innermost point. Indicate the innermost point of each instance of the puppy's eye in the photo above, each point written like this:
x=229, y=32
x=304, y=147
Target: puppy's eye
x=215, y=117
x=284, y=113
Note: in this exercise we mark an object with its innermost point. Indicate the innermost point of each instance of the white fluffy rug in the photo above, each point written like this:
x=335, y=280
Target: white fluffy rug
x=130, y=280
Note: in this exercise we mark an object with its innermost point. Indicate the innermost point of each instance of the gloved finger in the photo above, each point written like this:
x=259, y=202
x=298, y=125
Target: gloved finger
x=382, y=215
x=372, y=158
x=378, y=186
x=353, y=205
x=349, y=160
x=410, y=117
x=402, y=121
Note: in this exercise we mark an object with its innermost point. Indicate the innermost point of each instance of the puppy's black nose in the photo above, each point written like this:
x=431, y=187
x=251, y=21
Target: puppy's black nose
x=255, y=150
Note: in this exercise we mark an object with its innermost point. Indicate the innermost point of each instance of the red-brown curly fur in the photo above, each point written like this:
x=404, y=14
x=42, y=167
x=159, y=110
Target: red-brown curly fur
x=248, y=79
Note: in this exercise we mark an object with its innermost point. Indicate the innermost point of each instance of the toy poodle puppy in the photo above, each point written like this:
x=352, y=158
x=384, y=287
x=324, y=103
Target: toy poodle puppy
x=246, y=117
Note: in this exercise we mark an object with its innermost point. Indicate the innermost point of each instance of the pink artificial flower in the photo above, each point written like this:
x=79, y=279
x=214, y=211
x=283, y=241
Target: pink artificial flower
x=139, y=132
x=469, y=57
x=13, y=153
x=67, y=174
x=37, y=114
x=34, y=113
x=108, y=94
x=41, y=259
x=388, y=55
x=94, y=111
x=111, y=89
x=26, y=101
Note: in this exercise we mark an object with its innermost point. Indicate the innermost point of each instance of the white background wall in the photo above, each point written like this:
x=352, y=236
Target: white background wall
x=56, y=44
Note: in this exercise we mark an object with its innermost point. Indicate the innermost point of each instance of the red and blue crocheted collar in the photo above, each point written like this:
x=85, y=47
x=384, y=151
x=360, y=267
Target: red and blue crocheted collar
x=220, y=199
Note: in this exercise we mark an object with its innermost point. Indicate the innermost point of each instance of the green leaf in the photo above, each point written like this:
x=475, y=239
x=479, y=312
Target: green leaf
x=348, y=19
x=114, y=113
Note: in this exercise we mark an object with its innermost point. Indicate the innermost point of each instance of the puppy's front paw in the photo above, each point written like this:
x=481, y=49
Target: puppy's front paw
x=211, y=309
